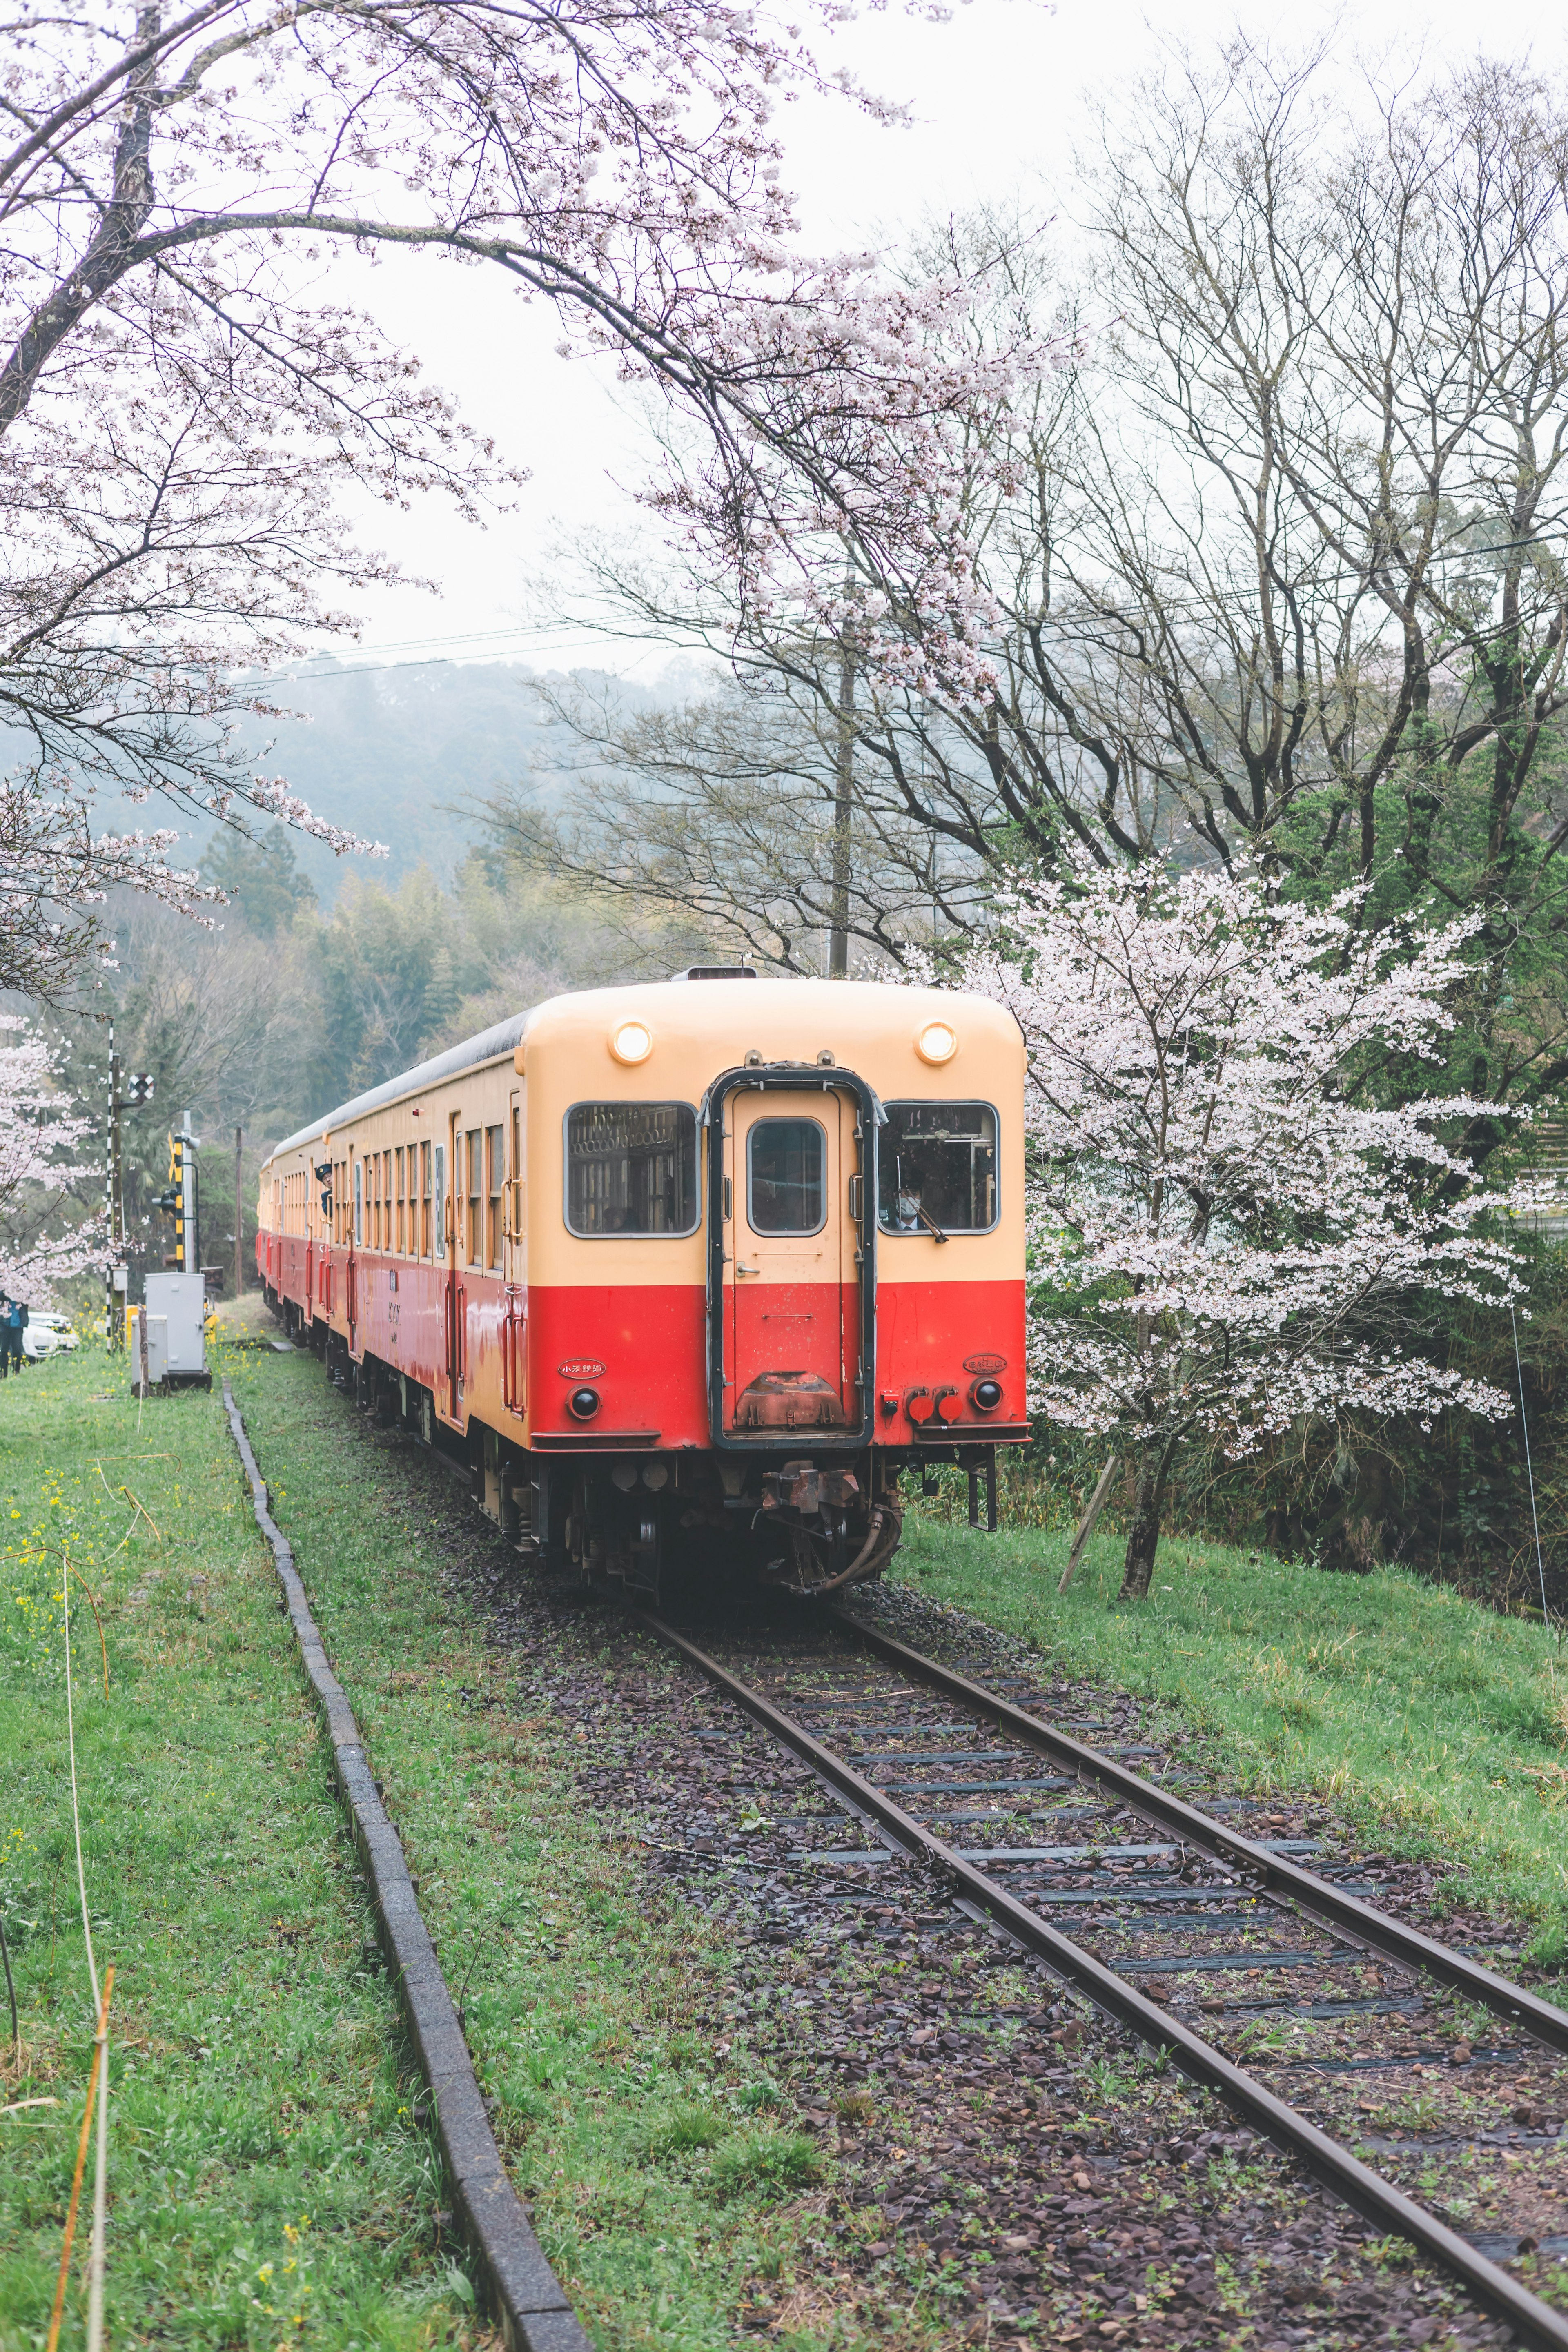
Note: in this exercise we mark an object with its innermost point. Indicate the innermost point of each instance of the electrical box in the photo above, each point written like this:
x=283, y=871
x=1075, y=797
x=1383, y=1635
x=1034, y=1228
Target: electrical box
x=157, y=1347
x=180, y=1299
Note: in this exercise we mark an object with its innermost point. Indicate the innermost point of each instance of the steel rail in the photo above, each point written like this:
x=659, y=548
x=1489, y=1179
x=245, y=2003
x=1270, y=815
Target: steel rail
x=1263, y=1869
x=1372, y=2196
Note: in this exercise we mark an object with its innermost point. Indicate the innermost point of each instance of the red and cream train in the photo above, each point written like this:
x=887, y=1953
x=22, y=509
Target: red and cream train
x=718, y=1253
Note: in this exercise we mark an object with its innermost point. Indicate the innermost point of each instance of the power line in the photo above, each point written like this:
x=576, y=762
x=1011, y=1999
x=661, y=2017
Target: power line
x=411, y=652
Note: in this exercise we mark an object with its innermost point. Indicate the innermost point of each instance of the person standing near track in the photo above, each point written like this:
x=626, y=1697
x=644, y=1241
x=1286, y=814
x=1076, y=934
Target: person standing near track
x=12, y=1327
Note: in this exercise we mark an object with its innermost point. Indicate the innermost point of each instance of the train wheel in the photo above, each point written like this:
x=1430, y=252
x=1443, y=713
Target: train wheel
x=644, y=1553
x=587, y=1534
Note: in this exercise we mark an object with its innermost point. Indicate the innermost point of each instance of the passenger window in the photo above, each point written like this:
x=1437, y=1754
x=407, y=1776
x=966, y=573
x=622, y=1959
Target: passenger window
x=440, y=1200
x=495, y=1156
x=936, y=1169
x=631, y=1167
x=358, y=1201
x=786, y=1176
x=473, y=1230
x=425, y=1200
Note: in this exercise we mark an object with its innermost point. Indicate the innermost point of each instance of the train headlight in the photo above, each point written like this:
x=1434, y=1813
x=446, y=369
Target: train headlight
x=583, y=1403
x=987, y=1395
x=632, y=1042
x=937, y=1042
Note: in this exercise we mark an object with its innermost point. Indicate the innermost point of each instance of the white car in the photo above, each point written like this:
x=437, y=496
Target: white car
x=47, y=1335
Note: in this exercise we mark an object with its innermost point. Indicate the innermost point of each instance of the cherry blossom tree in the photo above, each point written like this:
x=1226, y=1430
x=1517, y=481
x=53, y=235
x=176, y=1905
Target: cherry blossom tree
x=181, y=403
x=1227, y=1231
x=48, y=1230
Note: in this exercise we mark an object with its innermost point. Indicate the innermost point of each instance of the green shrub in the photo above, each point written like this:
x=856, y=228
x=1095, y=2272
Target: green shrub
x=781, y=2161
x=687, y=2128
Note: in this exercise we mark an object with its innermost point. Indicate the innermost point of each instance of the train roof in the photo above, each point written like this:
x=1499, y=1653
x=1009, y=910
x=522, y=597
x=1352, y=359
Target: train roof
x=733, y=1014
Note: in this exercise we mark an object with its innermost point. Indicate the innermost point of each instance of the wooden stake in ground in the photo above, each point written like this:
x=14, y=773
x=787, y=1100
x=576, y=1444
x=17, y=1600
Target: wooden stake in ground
x=1086, y=1524
x=100, y=2050
x=100, y=2182
x=11, y=1990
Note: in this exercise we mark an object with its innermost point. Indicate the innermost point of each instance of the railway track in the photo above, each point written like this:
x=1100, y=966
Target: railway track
x=977, y=2052
x=1283, y=1987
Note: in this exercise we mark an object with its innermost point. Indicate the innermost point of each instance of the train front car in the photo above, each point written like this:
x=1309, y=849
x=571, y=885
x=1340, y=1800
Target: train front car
x=775, y=1259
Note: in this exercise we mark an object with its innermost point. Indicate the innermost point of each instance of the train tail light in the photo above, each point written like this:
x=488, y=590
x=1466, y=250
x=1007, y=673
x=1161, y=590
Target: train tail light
x=985, y=1395
x=583, y=1403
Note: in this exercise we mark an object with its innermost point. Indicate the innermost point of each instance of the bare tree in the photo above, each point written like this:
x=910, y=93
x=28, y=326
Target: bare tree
x=746, y=813
x=1279, y=567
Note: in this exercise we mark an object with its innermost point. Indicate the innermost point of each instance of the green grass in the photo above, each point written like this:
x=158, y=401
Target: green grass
x=271, y=2179
x=266, y=2181
x=655, y=2187
x=1438, y=1724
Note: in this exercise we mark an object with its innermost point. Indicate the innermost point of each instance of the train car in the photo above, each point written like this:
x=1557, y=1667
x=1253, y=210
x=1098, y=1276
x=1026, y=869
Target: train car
x=711, y=1260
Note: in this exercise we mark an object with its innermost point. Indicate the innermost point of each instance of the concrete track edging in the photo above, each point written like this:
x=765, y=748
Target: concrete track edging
x=520, y=2287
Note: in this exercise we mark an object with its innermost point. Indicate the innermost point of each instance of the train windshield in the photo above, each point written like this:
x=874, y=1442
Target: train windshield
x=936, y=1169
x=631, y=1167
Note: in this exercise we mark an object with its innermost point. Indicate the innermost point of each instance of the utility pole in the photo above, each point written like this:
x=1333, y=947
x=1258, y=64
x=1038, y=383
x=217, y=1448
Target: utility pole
x=239, y=1212
x=843, y=805
x=112, y=1182
x=139, y=1090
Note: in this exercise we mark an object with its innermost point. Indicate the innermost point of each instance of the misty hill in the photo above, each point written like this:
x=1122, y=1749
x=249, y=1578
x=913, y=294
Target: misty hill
x=389, y=753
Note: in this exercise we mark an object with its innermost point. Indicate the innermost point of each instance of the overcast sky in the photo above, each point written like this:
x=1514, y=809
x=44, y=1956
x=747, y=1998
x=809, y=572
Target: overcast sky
x=998, y=94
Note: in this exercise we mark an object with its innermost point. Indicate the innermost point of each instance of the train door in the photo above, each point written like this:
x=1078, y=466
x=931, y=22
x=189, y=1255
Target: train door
x=514, y=1258
x=355, y=1239
x=447, y=1180
x=793, y=1284
x=309, y=1242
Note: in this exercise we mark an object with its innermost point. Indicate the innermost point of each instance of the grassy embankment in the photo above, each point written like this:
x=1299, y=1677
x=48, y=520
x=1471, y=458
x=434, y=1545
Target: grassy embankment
x=1440, y=1725
x=271, y=2177
x=266, y=2182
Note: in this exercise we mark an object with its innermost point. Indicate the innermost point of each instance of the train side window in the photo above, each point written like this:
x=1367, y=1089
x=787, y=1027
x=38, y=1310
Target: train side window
x=473, y=1164
x=495, y=1176
x=936, y=1166
x=440, y=1157
x=359, y=1201
x=786, y=1169
x=631, y=1167
x=425, y=1200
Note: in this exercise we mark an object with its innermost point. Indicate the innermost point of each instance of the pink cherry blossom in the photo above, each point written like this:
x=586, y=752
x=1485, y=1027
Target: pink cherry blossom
x=1230, y=1229
x=49, y=1231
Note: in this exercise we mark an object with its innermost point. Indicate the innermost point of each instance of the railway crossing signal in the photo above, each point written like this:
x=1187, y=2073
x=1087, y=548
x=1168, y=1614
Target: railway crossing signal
x=179, y=1201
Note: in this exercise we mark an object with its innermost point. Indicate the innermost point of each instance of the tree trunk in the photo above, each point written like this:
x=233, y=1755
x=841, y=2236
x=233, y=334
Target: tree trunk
x=1143, y=1536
